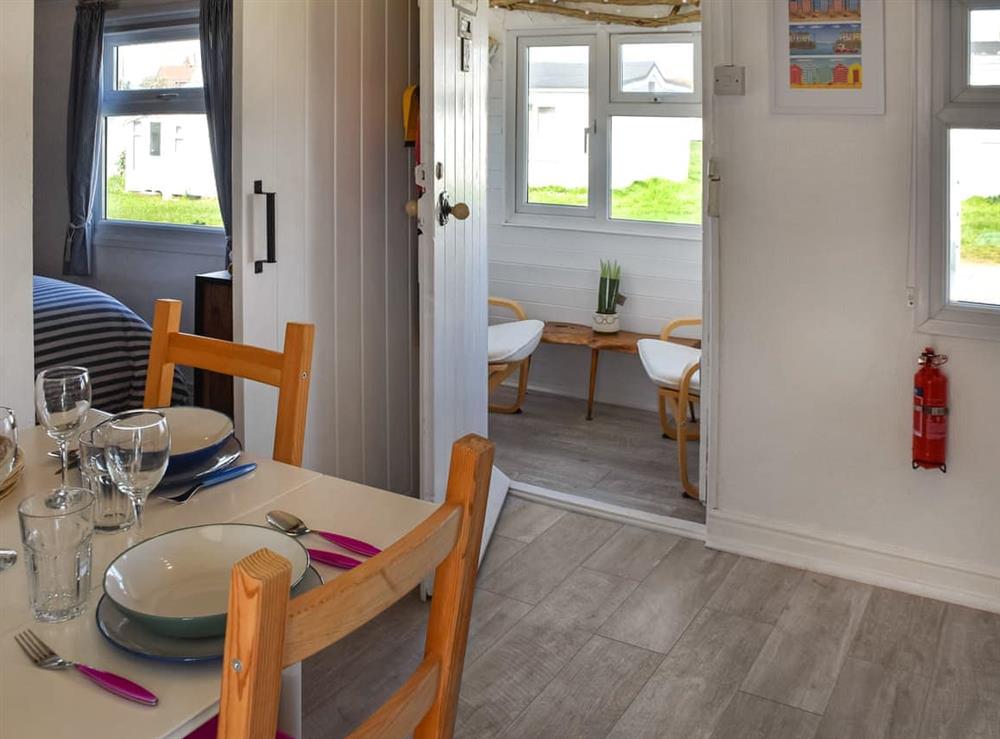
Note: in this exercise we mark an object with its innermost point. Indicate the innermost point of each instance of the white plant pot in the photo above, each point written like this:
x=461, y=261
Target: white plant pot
x=606, y=323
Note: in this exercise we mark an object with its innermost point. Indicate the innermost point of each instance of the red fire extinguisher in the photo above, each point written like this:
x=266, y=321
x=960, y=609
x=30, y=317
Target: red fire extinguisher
x=930, y=412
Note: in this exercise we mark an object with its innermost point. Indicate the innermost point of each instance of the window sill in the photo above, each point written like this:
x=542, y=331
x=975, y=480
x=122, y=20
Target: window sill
x=193, y=240
x=950, y=323
x=676, y=231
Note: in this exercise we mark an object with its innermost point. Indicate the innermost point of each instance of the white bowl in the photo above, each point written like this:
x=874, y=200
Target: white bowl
x=177, y=583
x=195, y=433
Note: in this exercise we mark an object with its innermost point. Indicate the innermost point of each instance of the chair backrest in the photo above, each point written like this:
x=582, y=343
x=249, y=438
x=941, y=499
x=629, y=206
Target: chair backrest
x=288, y=370
x=512, y=305
x=266, y=632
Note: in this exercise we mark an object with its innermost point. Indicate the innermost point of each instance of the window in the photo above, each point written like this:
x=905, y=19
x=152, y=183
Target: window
x=157, y=161
x=960, y=267
x=606, y=130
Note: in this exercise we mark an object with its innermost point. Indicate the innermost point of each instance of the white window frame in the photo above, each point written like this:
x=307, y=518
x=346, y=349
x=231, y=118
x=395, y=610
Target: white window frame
x=596, y=217
x=143, y=235
x=945, y=101
x=619, y=96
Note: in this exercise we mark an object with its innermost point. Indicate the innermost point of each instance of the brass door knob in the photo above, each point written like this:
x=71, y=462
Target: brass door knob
x=446, y=209
x=411, y=208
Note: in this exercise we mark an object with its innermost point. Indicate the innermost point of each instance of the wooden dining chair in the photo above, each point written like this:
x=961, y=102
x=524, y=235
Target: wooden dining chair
x=266, y=632
x=288, y=370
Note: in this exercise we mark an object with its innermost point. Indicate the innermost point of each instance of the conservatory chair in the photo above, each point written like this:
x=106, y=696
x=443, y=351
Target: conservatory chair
x=510, y=348
x=676, y=371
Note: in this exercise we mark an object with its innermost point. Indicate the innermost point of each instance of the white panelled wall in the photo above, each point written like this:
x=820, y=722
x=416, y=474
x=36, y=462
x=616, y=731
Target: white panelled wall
x=554, y=273
x=16, y=353
x=817, y=347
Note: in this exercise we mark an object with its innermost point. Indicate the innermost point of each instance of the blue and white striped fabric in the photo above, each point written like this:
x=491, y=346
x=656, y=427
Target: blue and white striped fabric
x=76, y=325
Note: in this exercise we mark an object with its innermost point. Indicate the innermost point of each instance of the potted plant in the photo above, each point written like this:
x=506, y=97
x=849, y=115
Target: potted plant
x=608, y=298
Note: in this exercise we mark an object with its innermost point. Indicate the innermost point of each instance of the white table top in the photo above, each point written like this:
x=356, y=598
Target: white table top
x=51, y=704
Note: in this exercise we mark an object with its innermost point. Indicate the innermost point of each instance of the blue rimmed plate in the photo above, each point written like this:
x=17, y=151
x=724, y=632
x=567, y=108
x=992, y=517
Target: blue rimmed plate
x=225, y=456
x=195, y=434
x=134, y=637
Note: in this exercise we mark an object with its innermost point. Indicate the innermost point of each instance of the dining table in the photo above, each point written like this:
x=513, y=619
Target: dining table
x=54, y=704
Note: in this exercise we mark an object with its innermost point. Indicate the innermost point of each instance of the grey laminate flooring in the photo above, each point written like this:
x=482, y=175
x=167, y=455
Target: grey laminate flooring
x=584, y=628
x=619, y=457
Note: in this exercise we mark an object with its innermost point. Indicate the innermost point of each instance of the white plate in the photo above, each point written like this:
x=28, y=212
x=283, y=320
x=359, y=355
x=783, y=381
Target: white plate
x=178, y=583
x=193, y=430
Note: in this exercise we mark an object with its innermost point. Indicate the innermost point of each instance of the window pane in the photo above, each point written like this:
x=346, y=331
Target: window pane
x=657, y=68
x=158, y=168
x=158, y=66
x=558, y=116
x=974, y=195
x=984, y=38
x=656, y=169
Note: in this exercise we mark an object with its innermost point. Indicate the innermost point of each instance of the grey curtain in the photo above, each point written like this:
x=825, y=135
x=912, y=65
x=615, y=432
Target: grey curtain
x=82, y=136
x=216, y=30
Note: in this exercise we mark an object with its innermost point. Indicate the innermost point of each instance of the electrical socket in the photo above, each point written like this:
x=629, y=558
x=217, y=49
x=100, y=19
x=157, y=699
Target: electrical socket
x=730, y=80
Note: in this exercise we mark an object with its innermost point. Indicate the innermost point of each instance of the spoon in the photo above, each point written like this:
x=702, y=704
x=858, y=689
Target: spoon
x=7, y=559
x=295, y=526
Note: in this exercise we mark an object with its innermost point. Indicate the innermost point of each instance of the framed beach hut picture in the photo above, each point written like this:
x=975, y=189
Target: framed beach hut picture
x=828, y=56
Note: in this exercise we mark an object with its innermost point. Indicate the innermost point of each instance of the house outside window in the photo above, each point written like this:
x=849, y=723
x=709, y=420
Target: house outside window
x=606, y=130
x=156, y=157
x=957, y=204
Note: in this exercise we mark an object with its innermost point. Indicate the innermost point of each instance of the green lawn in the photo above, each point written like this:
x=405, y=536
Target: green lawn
x=655, y=199
x=981, y=229
x=134, y=206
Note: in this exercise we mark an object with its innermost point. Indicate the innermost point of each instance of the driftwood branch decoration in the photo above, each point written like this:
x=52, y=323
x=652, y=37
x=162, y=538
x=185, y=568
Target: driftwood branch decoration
x=670, y=12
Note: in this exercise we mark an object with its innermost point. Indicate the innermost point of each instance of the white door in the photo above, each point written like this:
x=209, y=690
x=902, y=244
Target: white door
x=269, y=147
x=453, y=260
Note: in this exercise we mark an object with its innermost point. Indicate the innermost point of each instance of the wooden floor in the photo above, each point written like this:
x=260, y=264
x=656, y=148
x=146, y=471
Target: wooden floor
x=586, y=628
x=619, y=457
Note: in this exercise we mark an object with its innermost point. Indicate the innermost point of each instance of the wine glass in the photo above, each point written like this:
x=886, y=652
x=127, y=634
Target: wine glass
x=136, y=451
x=8, y=442
x=62, y=399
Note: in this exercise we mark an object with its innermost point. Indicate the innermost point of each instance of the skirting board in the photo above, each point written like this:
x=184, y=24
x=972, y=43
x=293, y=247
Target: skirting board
x=600, y=509
x=955, y=581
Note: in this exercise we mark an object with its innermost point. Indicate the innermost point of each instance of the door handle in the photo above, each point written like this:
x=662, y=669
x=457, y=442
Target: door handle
x=446, y=209
x=258, y=265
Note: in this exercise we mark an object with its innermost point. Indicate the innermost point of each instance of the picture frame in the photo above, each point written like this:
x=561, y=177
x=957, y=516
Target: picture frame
x=828, y=57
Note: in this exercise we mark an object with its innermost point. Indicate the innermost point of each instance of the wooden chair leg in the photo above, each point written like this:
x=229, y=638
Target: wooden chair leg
x=669, y=429
x=522, y=368
x=690, y=489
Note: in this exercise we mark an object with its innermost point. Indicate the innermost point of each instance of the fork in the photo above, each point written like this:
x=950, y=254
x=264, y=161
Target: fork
x=40, y=653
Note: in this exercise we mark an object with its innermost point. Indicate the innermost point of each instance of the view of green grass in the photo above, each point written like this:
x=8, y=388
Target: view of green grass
x=655, y=199
x=981, y=229
x=136, y=206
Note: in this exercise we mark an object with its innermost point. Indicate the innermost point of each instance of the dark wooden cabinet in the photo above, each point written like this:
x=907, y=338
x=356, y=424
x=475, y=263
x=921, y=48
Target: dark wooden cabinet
x=213, y=317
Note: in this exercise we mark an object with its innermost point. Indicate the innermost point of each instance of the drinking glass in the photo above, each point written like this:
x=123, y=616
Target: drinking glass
x=57, y=530
x=113, y=509
x=136, y=450
x=8, y=441
x=62, y=399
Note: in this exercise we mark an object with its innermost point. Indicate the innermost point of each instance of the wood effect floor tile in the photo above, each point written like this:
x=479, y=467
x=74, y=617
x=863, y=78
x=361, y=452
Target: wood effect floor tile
x=536, y=570
x=963, y=706
x=750, y=717
x=632, y=552
x=799, y=664
x=756, y=590
x=873, y=702
x=504, y=681
x=585, y=599
x=658, y=611
x=688, y=693
x=500, y=550
x=899, y=632
x=524, y=520
x=970, y=643
x=492, y=617
x=586, y=699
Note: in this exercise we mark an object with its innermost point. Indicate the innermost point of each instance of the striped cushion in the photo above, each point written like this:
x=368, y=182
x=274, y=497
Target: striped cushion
x=76, y=325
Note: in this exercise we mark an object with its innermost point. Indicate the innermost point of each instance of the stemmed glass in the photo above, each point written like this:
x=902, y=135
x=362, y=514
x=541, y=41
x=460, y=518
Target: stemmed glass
x=136, y=451
x=62, y=399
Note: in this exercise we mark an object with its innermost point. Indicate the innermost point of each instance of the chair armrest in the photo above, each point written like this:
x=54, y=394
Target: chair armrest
x=684, y=391
x=511, y=305
x=676, y=324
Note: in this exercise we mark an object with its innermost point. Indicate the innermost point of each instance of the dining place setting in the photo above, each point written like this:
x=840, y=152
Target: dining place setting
x=129, y=534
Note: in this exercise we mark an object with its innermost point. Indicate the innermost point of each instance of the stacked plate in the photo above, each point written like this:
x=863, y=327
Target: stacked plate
x=201, y=442
x=167, y=597
x=8, y=483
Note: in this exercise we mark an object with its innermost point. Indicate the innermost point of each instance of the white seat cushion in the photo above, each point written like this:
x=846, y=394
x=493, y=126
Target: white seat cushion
x=512, y=342
x=666, y=362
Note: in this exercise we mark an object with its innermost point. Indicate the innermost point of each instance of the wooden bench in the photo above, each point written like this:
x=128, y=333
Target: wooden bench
x=576, y=334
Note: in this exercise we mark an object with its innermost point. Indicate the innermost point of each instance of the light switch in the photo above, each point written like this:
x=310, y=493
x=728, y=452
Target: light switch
x=730, y=80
